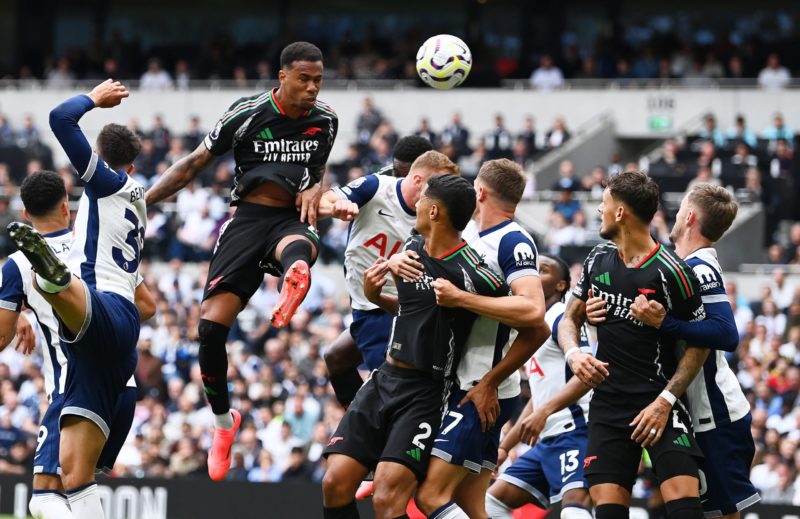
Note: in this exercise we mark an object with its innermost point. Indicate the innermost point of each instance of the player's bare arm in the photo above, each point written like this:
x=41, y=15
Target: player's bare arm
x=177, y=176
x=587, y=368
x=648, y=311
x=532, y=426
x=330, y=205
x=307, y=203
x=404, y=265
x=8, y=327
x=512, y=437
x=145, y=302
x=595, y=309
x=655, y=415
x=525, y=308
x=374, y=281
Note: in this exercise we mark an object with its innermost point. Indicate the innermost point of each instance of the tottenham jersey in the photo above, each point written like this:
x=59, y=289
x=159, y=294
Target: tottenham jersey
x=270, y=146
x=16, y=288
x=109, y=226
x=640, y=359
x=715, y=396
x=548, y=373
x=507, y=249
x=383, y=224
x=109, y=233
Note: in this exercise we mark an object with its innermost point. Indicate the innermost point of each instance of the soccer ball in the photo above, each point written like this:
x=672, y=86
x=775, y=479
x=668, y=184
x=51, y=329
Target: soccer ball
x=443, y=61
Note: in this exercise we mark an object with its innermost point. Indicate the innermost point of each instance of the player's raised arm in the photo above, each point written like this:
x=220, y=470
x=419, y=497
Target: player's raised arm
x=64, y=123
x=177, y=176
x=11, y=298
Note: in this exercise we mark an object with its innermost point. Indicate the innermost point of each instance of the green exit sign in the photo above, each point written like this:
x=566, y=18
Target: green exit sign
x=660, y=122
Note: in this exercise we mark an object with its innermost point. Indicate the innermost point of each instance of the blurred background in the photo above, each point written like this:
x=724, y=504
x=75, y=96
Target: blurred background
x=573, y=91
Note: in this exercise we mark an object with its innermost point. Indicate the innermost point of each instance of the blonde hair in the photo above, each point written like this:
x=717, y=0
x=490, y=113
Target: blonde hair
x=505, y=178
x=716, y=209
x=433, y=162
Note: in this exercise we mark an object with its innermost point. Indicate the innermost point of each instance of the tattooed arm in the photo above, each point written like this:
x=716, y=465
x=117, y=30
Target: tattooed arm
x=177, y=176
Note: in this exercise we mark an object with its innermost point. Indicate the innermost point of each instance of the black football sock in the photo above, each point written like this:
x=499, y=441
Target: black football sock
x=213, y=359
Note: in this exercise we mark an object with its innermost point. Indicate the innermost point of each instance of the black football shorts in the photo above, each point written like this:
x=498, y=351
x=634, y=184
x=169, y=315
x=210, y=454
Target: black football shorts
x=395, y=416
x=246, y=246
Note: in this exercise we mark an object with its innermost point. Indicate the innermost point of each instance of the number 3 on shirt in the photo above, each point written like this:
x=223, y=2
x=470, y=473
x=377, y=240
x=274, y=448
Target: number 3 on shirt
x=134, y=238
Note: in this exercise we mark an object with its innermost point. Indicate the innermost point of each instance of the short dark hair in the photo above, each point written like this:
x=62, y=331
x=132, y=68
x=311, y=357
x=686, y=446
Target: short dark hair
x=299, y=51
x=457, y=195
x=118, y=145
x=410, y=147
x=637, y=191
x=42, y=191
x=565, y=271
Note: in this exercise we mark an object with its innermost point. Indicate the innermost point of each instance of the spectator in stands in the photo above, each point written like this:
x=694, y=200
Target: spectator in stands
x=498, y=140
x=470, y=164
x=528, y=135
x=195, y=238
x=668, y=165
x=738, y=164
x=708, y=159
x=778, y=130
x=594, y=182
x=155, y=77
x=774, y=76
x=28, y=136
x=240, y=77
x=782, y=492
x=566, y=177
x=703, y=176
x=265, y=470
x=753, y=190
x=194, y=135
x=7, y=134
x=368, y=121
x=519, y=153
x=659, y=229
x=711, y=132
x=558, y=134
x=547, y=76
x=456, y=135
x=424, y=130
x=741, y=133
x=146, y=161
x=297, y=469
x=781, y=162
x=161, y=137
x=61, y=76
x=182, y=75
x=566, y=204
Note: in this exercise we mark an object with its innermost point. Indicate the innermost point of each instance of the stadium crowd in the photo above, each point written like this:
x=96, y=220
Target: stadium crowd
x=278, y=379
x=632, y=49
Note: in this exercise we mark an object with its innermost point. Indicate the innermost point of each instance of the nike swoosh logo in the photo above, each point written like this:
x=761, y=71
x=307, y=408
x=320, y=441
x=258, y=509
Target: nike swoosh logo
x=567, y=477
x=439, y=440
x=382, y=213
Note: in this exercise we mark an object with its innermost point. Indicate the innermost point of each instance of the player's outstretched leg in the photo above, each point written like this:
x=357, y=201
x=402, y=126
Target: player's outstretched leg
x=296, y=257
x=53, y=275
x=219, y=458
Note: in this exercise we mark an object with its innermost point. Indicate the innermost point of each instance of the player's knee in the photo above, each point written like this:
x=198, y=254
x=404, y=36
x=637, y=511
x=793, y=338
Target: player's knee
x=611, y=511
x=684, y=508
x=334, y=358
x=578, y=497
x=335, y=487
x=389, y=500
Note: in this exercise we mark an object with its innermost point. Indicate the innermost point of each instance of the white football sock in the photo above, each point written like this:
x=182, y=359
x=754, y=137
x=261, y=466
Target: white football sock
x=575, y=512
x=49, y=504
x=224, y=421
x=85, y=502
x=496, y=508
x=449, y=511
x=51, y=288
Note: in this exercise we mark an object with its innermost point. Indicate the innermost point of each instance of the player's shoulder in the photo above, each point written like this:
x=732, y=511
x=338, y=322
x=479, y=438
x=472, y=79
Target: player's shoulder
x=706, y=256
x=600, y=251
x=325, y=108
x=554, y=312
x=673, y=261
x=705, y=266
x=16, y=262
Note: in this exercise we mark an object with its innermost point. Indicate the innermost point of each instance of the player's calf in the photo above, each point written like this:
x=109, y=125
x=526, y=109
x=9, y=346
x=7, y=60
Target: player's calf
x=394, y=486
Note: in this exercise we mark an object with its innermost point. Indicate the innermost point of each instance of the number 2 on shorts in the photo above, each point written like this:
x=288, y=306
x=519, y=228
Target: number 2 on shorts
x=425, y=433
